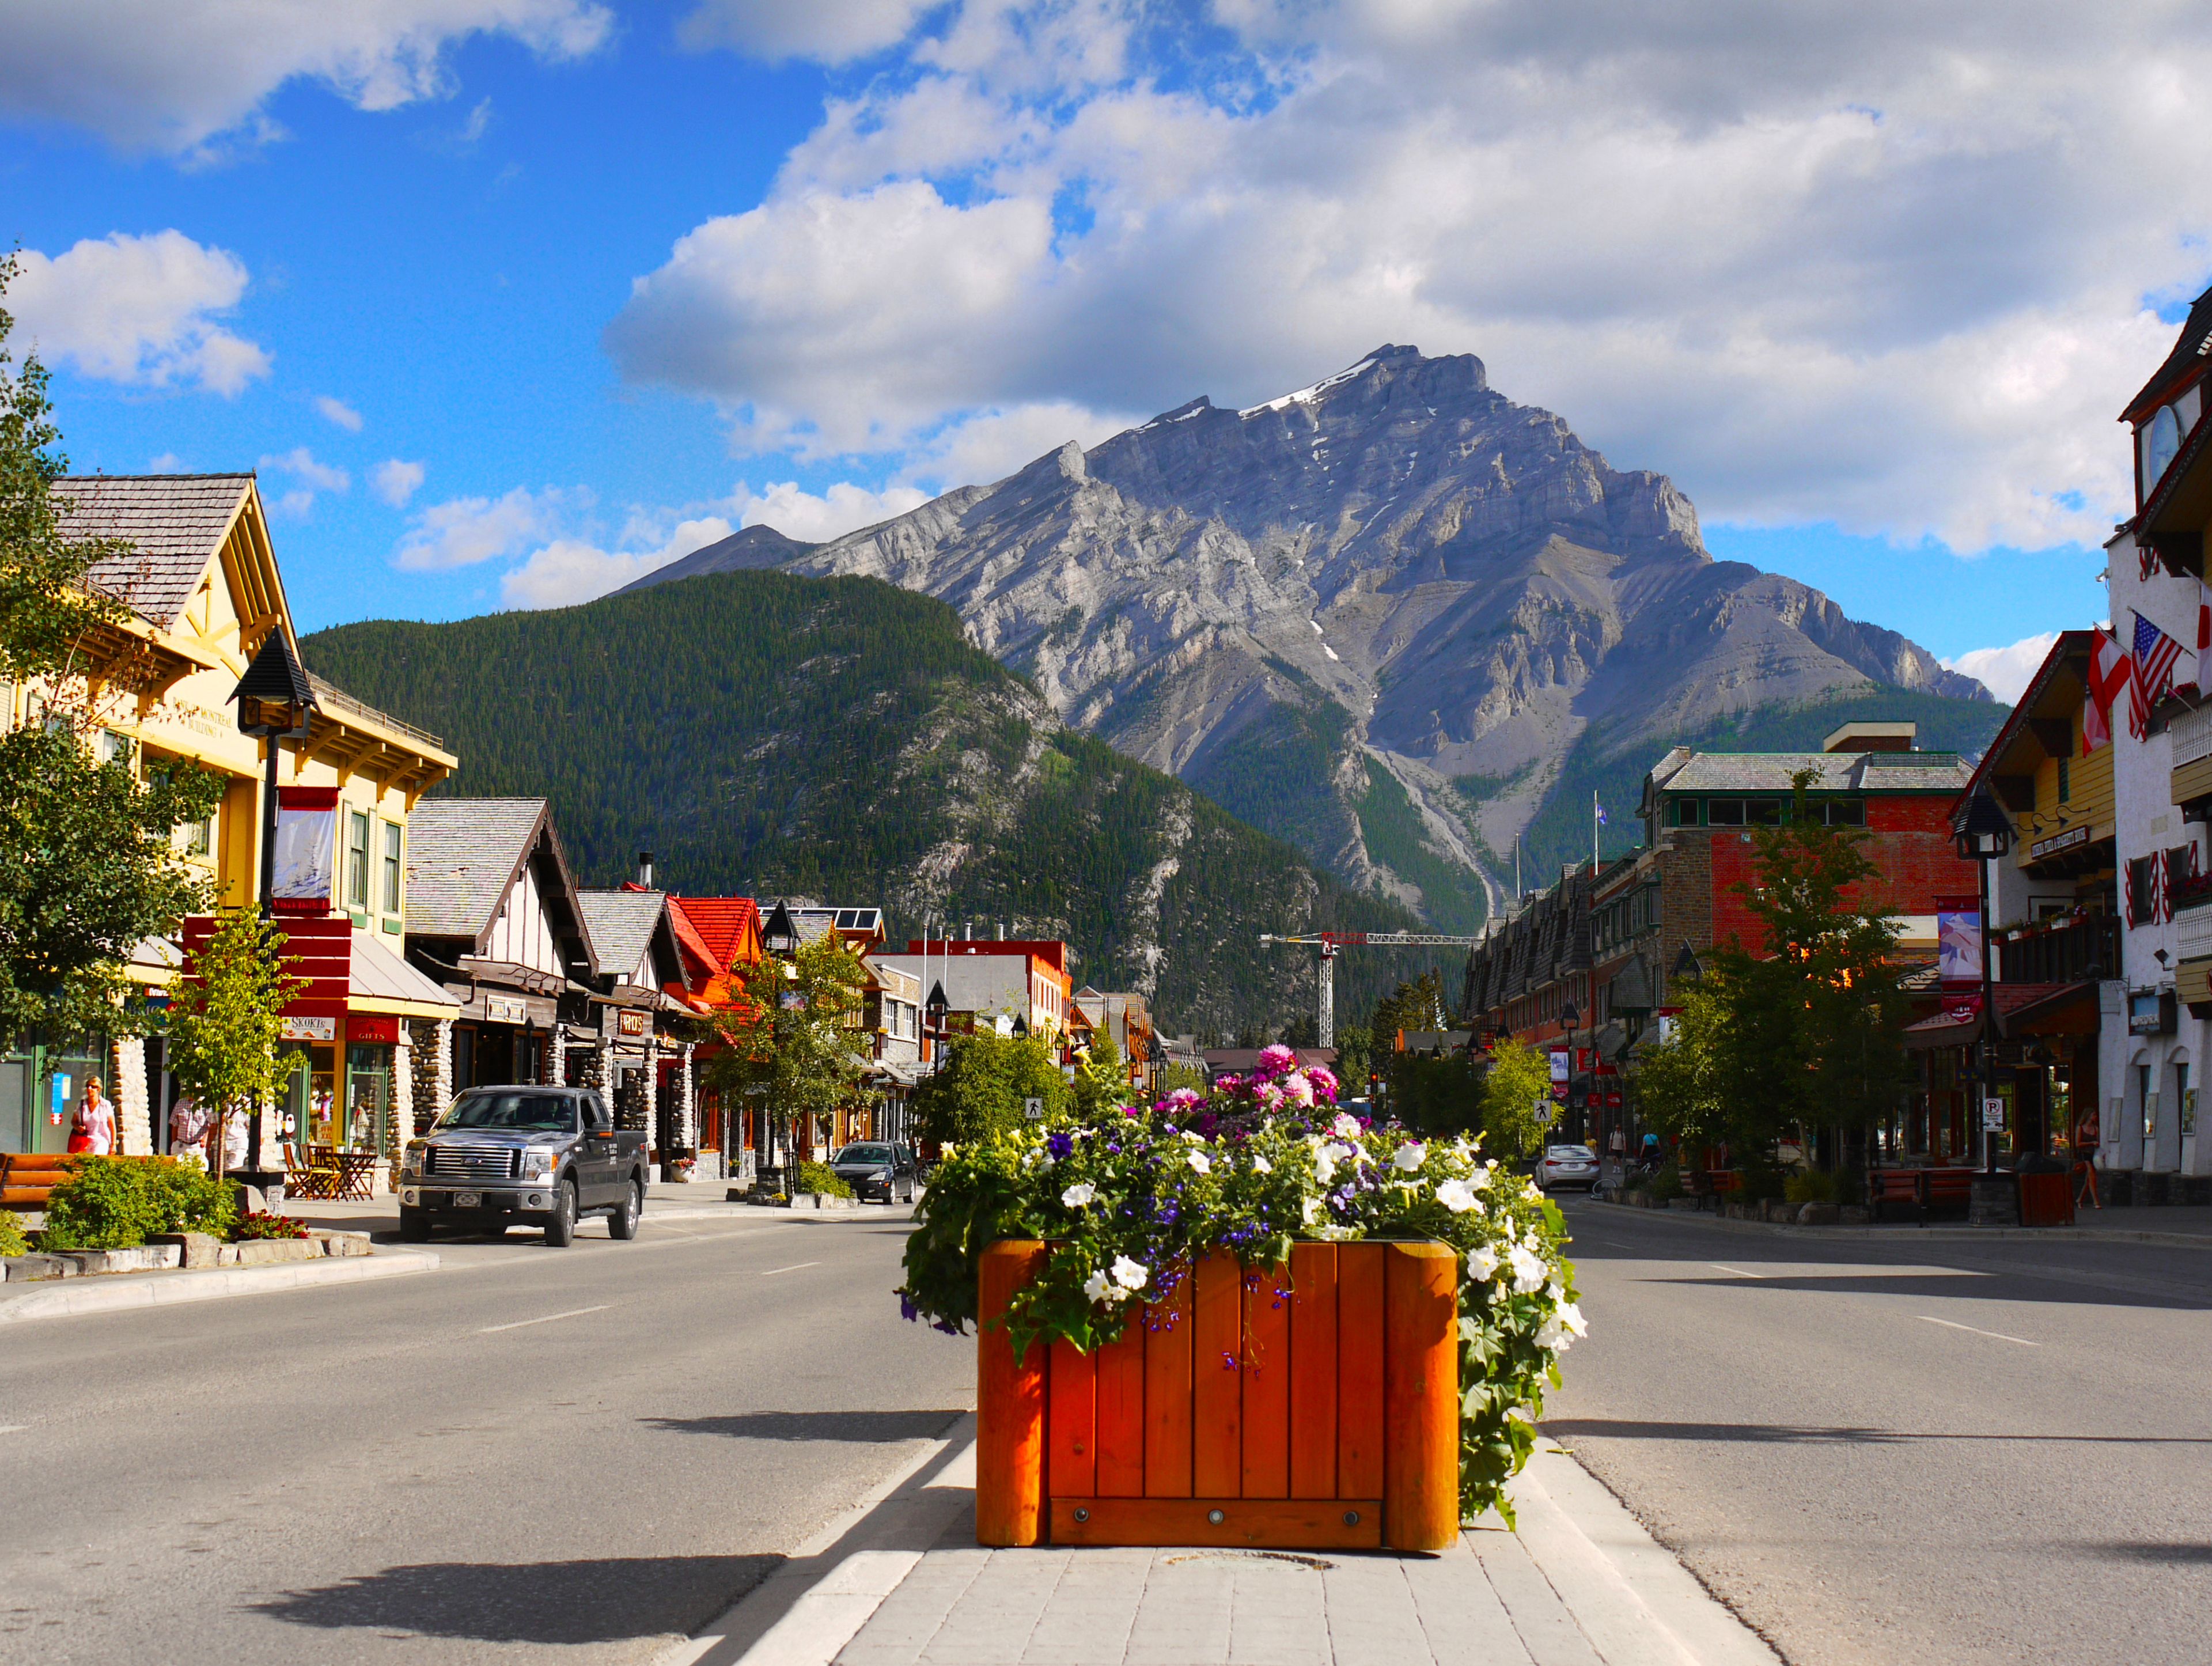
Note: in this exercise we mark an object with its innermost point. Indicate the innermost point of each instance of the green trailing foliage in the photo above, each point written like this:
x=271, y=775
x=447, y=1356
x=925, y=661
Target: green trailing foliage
x=118, y=1202
x=12, y=1241
x=769, y=735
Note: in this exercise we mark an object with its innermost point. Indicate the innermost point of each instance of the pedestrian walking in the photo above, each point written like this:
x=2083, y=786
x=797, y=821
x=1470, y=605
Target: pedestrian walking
x=188, y=1131
x=92, y=1130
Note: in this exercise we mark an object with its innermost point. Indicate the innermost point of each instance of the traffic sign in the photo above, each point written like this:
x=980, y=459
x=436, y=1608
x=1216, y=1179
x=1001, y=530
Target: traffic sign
x=1033, y=1109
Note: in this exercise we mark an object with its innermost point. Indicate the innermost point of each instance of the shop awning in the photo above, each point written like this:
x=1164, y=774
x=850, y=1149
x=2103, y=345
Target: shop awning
x=380, y=981
x=2022, y=1009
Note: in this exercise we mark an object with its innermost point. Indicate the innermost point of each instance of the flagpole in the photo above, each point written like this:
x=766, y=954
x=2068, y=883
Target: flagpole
x=1594, y=808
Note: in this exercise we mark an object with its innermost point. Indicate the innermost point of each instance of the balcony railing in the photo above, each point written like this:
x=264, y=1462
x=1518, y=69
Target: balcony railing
x=2087, y=946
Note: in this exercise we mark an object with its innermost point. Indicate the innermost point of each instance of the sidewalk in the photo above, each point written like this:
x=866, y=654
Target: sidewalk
x=2187, y=1225
x=903, y=1583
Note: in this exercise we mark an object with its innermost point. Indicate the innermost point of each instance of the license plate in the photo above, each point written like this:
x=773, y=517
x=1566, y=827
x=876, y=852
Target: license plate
x=468, y=1200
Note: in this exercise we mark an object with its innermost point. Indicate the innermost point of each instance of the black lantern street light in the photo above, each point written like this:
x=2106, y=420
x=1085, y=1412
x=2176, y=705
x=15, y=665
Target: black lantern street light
x=780, y=937
x=1984, y=835
x=275, y=702
x=1569, y=1018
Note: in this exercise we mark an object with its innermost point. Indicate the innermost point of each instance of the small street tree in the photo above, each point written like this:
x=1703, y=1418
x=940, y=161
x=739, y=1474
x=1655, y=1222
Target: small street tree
x=796, y=1036
x=1519, y=1079
x=226, y=1019
x=1679, y=1081
x=977, y=1092
x=87, y=862
x=1102, y=1080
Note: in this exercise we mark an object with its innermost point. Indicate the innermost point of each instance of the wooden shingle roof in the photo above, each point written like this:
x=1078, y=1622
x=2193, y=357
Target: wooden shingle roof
x=176, y=521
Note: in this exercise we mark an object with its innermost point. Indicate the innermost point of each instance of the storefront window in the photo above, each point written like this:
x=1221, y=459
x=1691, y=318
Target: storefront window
x=368, y=1097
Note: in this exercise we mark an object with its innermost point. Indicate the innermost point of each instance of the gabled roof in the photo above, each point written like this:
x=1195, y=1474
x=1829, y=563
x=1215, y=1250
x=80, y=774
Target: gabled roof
x=463, y=853
x=622, y=923
x=2057, y=689
x=722, y=926
x=2192, y=348
x=177, y=521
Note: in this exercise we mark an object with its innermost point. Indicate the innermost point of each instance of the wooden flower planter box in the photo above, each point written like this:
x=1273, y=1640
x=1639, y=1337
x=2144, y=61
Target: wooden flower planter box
x=1326, y=1419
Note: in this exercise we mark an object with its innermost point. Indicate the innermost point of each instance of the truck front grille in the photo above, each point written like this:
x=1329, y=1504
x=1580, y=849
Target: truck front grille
x=474, y=1162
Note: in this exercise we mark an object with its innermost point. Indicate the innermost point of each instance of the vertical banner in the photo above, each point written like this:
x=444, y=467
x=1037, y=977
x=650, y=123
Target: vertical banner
x=306, y=849
x=1958, y=946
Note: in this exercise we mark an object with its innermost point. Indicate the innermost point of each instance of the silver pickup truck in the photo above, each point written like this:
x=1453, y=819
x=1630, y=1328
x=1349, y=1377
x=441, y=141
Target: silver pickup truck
x=537, y=1155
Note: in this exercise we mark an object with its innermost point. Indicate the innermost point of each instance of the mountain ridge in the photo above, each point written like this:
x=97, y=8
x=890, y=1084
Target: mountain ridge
x=1450, y=584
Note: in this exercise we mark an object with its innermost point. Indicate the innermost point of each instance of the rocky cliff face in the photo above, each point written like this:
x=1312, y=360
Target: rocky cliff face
x=1372, y=615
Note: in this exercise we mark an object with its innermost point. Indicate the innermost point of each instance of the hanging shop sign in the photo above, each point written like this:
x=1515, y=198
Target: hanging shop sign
x=506, y=1009
x=304, y=1028
x=306, y=860
x=373, y=1030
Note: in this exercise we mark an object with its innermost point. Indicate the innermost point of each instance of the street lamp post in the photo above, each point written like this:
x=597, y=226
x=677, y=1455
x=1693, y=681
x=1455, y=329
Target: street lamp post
x=780, y=937
x=1569, y=1018
x=1984, y=835
x=274, y=704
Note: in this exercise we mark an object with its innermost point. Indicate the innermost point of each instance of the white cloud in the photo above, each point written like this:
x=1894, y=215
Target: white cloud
x=826, y=31
x=2004, y=671
x=1874, y=263
x=171, y=74
x=396, y=481
x=464, y=531
x=167, y=463
x=816, y=518
x=137, y=310
x=338, y=411
x=299, y=463
x=571, y=570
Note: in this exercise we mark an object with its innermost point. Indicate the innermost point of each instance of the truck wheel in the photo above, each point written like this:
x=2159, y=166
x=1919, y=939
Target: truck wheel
x=623, y=1222
x=561, y=1225
x=414, y=1224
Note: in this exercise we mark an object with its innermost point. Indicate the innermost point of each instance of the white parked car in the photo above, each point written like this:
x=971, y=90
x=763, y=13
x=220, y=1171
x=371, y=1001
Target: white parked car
x=1567, y=1165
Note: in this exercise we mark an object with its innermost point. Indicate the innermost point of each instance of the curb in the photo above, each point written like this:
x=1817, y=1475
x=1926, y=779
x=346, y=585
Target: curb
x=114, y=1292
x=1920, y=1234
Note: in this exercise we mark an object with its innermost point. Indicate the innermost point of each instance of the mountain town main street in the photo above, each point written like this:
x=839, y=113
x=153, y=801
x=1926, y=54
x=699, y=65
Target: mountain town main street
x=527, y=1452
x=1904, y=1448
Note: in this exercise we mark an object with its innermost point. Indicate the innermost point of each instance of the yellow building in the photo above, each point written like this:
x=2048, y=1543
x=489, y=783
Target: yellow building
x=204, y=593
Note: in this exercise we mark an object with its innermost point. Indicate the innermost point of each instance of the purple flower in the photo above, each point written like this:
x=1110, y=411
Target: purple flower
x=1059, y=1145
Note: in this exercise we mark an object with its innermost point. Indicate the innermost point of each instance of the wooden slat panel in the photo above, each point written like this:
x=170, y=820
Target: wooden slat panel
x=1071, y=1453
x=1120, y=1414
x=1167, y=1397
x=1216, y=1377
x=1359, y=1369
x=1420, y=1405
x=1266, y=1472
x=1313, y=1371
x=1010, y=1405
x=1272, y=1523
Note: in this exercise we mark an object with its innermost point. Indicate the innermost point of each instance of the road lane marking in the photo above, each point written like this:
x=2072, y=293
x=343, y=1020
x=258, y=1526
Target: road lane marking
x=547, y=1319
x=795, y=1266
x=13, y=1428
x=1737, y=1271
x=1996, y=1335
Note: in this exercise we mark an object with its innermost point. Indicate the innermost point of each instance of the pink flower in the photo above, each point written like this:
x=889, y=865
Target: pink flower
x=1325, y=1084
x=1275, y=1060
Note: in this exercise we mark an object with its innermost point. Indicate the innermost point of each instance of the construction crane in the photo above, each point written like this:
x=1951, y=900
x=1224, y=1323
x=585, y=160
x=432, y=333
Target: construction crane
x=1331, y=944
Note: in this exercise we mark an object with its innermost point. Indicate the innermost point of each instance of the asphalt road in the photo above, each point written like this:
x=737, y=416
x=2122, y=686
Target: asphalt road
x=1927, y=1452
x=576, y=1454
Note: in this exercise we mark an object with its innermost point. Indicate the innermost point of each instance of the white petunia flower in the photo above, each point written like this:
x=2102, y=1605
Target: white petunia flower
x=1558, y=1333
x=1324, y=1163
x=1529, y=1272
x=1456, y=1195
x=1308, y=1211
x=1262, y=1165
x=1129, y=1274
x=1195, y=1139
x=1346, y=1125
x=1409, y=1156
x=1076, y=1196
x=1482, y=1261
x=1096, y=1288
x=1200, y=1163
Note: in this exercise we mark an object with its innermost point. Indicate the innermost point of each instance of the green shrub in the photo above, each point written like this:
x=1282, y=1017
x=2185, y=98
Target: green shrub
x=114, y=1203
x=12, y=1241
x=262, y=1225
x=1666, y=1183
x=821, y=1178
x=1810, y=1187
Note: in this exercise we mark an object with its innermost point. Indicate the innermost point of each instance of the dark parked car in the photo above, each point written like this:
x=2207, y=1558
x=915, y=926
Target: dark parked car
x=538, y=1155
x=880, y=1169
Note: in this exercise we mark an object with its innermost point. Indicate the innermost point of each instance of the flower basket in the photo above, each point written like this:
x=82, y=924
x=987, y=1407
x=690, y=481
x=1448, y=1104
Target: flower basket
x=1312, y=1407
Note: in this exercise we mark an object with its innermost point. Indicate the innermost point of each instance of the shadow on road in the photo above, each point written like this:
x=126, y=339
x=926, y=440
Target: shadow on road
x=1599, y=1428
x=2022, y=1285
x=858, y=1427
x=2163, y=1554
x=545, y=1603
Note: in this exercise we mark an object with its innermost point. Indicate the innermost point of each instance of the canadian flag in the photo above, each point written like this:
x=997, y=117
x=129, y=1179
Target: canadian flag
x=2204, y=624
x=2110, y=671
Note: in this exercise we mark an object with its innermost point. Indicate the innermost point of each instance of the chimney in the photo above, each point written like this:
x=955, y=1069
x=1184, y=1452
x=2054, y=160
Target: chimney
x=1002, y=931
x=645, y=870
x=1865, y=736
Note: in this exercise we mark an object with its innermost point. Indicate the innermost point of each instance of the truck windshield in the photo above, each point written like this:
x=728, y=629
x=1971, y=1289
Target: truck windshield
x=511, y=1108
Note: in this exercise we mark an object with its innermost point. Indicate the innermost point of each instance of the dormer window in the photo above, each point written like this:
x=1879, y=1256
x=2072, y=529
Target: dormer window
x=2158, y=442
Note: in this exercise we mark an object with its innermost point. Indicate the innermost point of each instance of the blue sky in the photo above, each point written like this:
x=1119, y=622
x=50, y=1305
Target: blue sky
x=511, y=299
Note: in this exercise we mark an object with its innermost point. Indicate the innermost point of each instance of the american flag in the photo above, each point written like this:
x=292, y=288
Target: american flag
x=2155, y=652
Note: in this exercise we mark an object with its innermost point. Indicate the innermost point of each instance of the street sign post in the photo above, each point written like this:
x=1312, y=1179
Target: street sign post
x=1033, y=1109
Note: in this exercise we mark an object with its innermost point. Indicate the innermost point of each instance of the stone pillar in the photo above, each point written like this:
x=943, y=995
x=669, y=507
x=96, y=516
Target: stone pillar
x=400, y=1125
x=594, y=1072
x=652, y=1095
x=134, y=1120
x=558, y=1049
x=687, y=1128
x=431, y=1069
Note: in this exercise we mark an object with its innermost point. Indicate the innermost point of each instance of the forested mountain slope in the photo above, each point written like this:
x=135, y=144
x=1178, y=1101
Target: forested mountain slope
x=769, y=735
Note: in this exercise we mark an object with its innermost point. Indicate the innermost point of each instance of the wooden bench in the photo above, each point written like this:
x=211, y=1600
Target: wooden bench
x=1918, y=1187
x=1708, y=1186
x=27, y=1179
